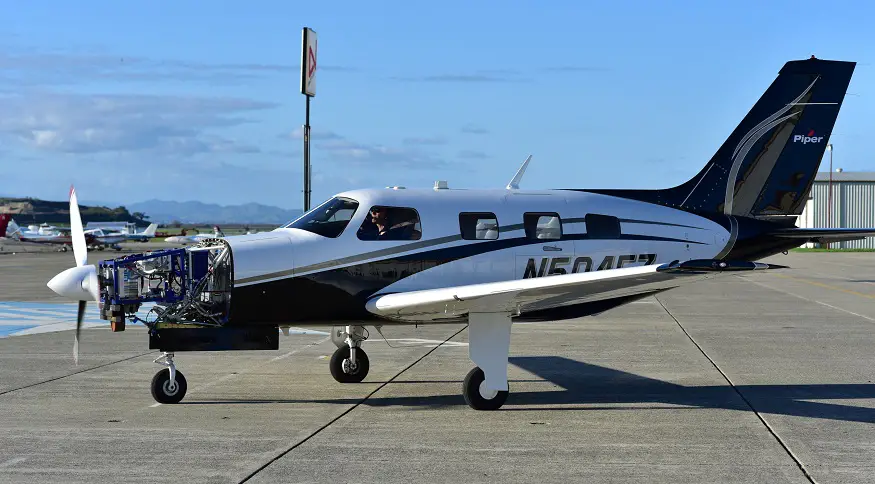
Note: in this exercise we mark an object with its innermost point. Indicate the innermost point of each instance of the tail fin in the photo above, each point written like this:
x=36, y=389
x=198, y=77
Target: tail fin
x=767, y=165
x=150, y=230
x=4, y=222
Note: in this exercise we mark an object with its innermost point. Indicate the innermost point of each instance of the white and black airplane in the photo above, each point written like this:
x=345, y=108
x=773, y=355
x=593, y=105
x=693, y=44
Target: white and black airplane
x=485, y=257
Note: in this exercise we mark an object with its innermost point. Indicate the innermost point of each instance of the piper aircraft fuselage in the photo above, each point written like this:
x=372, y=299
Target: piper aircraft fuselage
x=485, y=257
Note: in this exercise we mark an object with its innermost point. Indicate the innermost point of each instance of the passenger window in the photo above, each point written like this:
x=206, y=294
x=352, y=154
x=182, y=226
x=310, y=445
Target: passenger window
x=390, y=223
x=478, y=226
x=602, y=226
x=543, y=226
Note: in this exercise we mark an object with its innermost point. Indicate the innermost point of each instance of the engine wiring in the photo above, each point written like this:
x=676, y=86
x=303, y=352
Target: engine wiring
x=189, y=286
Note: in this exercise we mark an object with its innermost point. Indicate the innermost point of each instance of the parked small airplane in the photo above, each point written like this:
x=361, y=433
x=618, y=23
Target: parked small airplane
x=143, y=236
x=195, y=238
x=34, y=235
x=102, y=239
x=485, y=257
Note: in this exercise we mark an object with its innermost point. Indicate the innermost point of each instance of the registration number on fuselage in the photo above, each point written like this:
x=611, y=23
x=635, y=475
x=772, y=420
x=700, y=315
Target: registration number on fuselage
x=548, y=266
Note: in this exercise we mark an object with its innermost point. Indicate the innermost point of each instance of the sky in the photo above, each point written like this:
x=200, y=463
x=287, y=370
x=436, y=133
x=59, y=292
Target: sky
x=199, y=100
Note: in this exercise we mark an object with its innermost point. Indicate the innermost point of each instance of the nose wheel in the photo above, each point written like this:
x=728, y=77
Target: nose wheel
x=168, y=385
x=349, y=363
x=346, y=370
x=166, y=391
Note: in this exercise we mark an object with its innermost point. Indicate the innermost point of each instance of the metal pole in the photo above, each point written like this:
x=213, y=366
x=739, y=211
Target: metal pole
x=307, y=157
x=829, y=196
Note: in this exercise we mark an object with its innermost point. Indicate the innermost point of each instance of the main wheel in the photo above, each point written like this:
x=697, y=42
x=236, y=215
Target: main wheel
x=343, y=371
x=477, y=396
x=163, y=391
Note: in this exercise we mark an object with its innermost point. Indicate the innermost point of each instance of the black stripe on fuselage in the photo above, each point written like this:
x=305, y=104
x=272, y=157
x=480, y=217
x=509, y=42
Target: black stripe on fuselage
x=340, y=294
x=458, y=251
x=421, y=244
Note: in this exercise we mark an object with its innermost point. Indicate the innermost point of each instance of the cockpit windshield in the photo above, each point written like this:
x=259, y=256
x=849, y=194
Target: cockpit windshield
x=328, y=219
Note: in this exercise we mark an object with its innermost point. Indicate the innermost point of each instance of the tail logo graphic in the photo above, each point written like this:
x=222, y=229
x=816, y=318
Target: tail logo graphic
x=810, y=138
x=752, y=137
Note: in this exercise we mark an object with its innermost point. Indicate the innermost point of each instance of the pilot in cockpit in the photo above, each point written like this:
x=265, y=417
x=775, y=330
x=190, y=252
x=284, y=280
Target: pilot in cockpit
x=383, y=223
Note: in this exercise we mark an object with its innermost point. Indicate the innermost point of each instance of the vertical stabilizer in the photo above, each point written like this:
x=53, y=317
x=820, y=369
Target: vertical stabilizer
x=767, y=165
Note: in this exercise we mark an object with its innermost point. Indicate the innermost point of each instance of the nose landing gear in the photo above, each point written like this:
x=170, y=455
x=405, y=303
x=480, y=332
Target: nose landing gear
x=349, y=363
x=168, y=385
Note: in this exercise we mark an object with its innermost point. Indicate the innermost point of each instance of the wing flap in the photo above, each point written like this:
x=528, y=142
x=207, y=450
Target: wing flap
x=528, y=295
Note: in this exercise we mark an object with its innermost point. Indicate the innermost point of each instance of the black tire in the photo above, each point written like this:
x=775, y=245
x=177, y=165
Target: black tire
x=361, y=370
x=471, y=391
x=160, y=383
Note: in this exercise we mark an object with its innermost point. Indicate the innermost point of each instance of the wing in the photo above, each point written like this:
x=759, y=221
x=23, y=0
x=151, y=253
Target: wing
x=825, y=235
x=519, y=297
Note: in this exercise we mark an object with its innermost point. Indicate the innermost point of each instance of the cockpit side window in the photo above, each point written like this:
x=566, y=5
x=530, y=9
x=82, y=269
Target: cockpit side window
x=390, y=223
x=328, y=219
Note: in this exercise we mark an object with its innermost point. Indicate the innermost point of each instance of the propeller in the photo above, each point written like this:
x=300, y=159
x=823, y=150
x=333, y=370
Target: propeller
x=77, y=283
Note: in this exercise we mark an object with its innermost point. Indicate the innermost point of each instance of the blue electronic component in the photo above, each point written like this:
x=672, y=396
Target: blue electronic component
x=133, y=280
x=199, y=263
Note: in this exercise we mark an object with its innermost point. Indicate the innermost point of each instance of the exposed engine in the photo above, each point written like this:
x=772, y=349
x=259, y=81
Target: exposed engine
x=188, y=286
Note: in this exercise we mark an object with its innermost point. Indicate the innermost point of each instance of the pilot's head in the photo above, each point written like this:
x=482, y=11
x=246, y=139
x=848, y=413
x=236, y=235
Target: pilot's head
x=379, y=215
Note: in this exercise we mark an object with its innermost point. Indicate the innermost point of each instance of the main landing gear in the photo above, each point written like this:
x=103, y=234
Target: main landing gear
x=349, y=363
x=168, y=385
x=485, y=387
x=478, y=396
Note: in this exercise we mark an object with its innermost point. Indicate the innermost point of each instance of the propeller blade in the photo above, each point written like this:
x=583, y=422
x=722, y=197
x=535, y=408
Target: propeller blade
x=80, y=315
x=77, y=234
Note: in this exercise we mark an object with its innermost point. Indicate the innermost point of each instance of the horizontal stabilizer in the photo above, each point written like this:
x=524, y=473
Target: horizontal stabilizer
x=824, y=235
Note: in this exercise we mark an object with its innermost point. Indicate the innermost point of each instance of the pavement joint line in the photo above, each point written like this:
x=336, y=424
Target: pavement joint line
x=811, y=300
x=771, y=430
x=257, y=365
x=75, y=373
x=347, y=411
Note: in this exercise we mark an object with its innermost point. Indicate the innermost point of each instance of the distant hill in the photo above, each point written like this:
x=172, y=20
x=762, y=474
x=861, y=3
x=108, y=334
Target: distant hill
x=162, y=211
x=28, y=210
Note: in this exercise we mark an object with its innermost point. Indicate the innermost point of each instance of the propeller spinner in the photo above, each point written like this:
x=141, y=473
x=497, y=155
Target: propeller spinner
x=77, y=283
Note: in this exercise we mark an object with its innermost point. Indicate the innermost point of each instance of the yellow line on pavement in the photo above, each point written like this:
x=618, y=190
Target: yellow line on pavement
x=828, y=286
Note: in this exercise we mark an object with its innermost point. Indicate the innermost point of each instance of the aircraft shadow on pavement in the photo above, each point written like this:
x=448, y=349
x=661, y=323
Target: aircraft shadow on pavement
x=586, y=384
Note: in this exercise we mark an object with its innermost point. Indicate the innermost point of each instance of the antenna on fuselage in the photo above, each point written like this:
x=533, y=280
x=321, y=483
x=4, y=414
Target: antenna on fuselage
x=515, y=182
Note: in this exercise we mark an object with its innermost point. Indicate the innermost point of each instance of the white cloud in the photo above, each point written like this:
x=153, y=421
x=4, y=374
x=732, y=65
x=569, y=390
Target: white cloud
x=343, y=150
x=33, y=67
x=78, y=123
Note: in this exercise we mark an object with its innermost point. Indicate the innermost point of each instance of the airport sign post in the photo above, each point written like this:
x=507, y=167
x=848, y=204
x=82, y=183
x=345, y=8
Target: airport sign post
x=308, y=89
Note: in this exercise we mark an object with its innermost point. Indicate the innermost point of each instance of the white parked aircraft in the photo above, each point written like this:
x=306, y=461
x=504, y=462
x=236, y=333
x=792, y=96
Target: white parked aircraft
x=193, y=239
x=143, y=236
x=486, y=257
x=34, y=236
